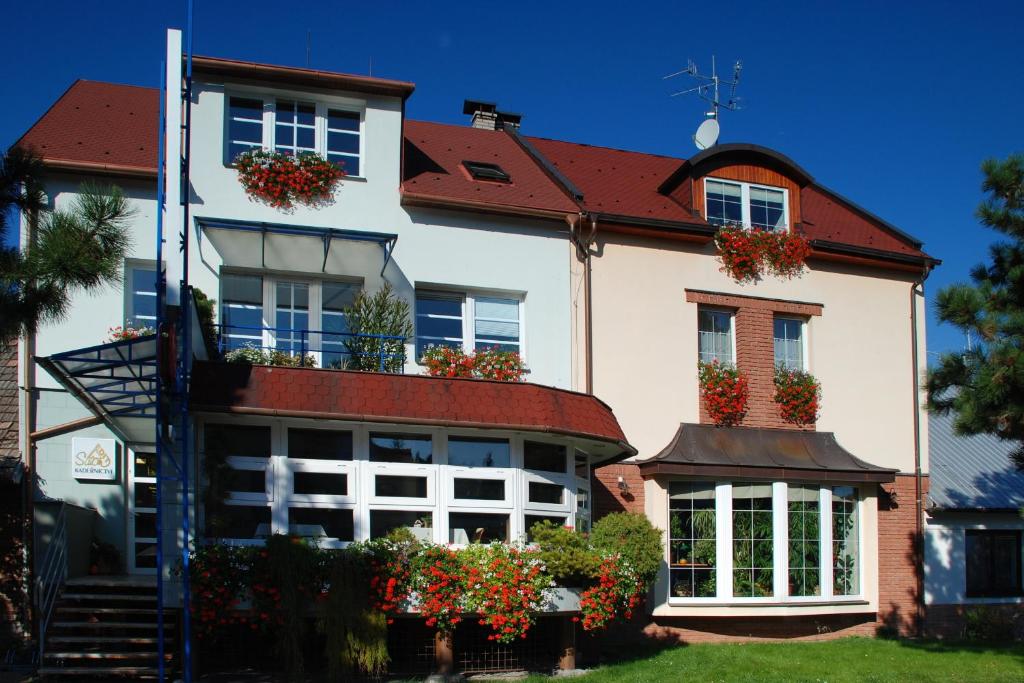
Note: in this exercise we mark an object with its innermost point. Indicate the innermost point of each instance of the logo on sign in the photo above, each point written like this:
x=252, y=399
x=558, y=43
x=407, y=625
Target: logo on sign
x=93, y=458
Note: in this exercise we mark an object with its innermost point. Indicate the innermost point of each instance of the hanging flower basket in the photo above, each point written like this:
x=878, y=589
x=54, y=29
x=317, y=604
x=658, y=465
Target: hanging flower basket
x=724, y=391
x=798, y=394
x=748, y=255
x=282, y=181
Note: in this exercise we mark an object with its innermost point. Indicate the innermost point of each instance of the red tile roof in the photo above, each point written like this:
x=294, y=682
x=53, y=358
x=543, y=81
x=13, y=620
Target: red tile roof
x=404, y=399
x=615, y=181
x=434, y=153
x=97, y=125
x=104, y=126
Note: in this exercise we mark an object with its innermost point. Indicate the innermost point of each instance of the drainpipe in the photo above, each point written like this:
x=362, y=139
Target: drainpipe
x=583, y=243
x=918, y=477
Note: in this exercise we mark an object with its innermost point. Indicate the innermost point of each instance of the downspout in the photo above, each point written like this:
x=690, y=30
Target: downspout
x=583, y=242
x=918, y=476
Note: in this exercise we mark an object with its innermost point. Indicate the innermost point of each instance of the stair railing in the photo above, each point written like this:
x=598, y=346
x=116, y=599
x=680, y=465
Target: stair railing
x=52, y=576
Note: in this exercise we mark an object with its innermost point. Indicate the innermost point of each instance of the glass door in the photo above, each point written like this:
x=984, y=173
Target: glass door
x=142, y=514
x=291, y=319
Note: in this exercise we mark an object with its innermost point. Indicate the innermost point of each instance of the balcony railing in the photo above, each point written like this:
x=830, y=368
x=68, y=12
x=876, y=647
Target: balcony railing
x=312, y=348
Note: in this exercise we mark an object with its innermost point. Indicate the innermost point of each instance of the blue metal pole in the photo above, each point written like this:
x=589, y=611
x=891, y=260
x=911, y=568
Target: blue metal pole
x=186, y=358
x=161, y=289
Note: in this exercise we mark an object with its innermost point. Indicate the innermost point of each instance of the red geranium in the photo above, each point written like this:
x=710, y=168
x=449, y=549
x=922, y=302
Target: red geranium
x=798, y=394
x=749, y=254
x=282, y=180
x=724, y=391
x=491, y=363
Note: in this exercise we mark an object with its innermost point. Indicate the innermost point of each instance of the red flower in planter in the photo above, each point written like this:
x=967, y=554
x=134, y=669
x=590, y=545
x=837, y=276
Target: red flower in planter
x=491, y=363
x=282, y=180
x=724, y=391
x=747, y=255
x=798, y=394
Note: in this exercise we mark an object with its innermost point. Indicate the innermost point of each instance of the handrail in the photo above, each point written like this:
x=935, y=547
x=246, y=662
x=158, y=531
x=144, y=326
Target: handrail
x=302, y=342
x=52, y=576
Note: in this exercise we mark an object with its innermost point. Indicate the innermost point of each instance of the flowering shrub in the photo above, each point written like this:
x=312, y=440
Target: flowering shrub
x=251, y=354
x=439, y=584
x=219, y=576
x=505, y=586
x=492, y=363
x=619, y=590
x=282, y=180
x=724, y=391
x=119, y=333
x=747, y=255
x=798, y=394
x=391, y=583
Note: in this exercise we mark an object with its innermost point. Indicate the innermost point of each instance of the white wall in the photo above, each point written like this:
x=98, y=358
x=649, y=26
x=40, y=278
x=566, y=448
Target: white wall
x=945, y=573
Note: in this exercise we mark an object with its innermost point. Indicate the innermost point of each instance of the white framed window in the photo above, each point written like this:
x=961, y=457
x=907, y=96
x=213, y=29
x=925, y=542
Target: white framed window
x=140, y=294
x=763, y=542
x=547, y=482
x=581, y=466
x=294, y=125
x=716, y=340
x=479, y=473
x=790, y=341
x=469, y=320
x=295, y=316
x=748, y=204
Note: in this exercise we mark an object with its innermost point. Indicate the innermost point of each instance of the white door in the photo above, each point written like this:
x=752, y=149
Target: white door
x=141, y=513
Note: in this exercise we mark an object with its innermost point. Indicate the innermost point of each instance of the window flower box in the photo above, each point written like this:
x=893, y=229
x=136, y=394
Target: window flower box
x=798, y=395
x=282, y=180
x=748, y=255
x=724, y=391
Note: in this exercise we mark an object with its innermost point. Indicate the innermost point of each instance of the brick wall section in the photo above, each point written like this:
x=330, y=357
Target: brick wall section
x=608, y=497
x=899, y=556
x=755, y=349
x=746, y=629
x=9, y=401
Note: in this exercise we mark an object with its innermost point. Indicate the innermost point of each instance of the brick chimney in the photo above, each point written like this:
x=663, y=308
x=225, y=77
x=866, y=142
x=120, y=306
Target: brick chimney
x=487, y=117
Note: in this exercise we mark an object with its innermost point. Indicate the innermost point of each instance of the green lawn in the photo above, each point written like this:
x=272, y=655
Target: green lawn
x=849, y=659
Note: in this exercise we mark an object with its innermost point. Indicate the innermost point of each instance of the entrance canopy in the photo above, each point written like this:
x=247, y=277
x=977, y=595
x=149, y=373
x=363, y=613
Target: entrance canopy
x=745, y=452
x=273, y=246
x=116, y=381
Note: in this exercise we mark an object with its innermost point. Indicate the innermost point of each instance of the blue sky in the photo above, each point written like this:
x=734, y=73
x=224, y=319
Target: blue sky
x=894, y=105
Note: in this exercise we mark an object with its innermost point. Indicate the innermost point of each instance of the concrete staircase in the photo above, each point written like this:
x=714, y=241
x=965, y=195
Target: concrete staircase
x=106, y=628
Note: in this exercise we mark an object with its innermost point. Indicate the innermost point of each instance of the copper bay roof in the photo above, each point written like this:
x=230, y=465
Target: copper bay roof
x=745, y=452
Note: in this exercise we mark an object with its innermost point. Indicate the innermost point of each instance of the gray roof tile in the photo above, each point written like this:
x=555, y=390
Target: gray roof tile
x=971, y=472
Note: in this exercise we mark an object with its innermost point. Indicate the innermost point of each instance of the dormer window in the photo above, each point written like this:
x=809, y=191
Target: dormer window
x=755, y=206
x=480, y=170
x=293, y=127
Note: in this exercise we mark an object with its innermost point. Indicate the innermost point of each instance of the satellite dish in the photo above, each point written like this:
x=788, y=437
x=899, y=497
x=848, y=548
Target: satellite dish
x=707, y=134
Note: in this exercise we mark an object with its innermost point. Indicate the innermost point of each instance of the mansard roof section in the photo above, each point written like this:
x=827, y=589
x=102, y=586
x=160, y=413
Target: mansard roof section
x=297, y=76
x=97, y=127
x=405, y=399
x=435, y=172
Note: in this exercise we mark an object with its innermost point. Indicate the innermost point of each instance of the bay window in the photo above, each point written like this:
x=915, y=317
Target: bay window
x=343, y=483
x=295, y=126
x=468, y=321
x=762, y=541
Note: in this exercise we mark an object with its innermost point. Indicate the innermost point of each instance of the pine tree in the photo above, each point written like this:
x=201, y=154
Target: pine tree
x=984, y=385
x=74, y=249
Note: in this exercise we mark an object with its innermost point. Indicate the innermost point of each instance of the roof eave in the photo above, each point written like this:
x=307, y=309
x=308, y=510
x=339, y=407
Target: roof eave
x=438, y=202
x=93, y=167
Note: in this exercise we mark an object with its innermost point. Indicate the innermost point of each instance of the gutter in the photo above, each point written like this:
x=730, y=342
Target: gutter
x=435, y=202
x=101, y=168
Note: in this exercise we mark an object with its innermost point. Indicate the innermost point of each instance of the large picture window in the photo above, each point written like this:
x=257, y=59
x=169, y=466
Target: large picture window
x=993, y=563
x=773, y=536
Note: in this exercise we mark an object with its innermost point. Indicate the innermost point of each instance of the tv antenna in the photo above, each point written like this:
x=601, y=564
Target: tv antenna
x=709, y=88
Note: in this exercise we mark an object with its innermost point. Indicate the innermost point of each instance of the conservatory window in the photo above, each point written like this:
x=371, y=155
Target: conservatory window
x=804, y=540
x=692, y=544
x=715, y=336
x=477, y=527
x=845, y=541
x=531, y=520
x=418, y=522
x=544, y=457
x=405, y=448
x=774, y=535
x=322, y=523
x=474, y=452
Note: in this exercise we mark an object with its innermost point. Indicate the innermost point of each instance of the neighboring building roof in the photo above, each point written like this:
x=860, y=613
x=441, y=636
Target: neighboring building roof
x=971, y=472
x=738, y=452
x=293, y=75
x=97, y=126
x=403, y=399
x=434, y=156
